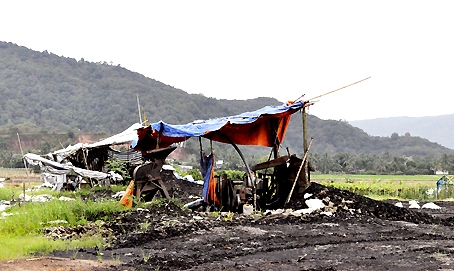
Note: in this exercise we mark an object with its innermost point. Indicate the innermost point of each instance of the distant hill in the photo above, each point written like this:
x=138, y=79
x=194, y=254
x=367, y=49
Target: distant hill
x=44, y=95
x=331, y=136
x=435, y=128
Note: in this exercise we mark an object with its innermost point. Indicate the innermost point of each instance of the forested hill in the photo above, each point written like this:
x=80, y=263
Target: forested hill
x=45, y=93
x=62, y=94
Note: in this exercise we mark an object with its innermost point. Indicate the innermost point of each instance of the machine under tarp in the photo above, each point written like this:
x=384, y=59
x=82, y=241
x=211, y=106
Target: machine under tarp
x=263, y=127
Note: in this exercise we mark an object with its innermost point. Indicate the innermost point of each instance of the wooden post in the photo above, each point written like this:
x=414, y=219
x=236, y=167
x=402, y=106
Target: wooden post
x=306, y=168
x=86, y=166
x=22, y=152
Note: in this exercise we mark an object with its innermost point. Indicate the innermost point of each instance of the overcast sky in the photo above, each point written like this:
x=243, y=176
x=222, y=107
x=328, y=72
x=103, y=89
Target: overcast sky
x=249, y=49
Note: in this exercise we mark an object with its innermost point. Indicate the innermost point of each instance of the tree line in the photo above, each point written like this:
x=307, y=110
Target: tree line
x=386, y=163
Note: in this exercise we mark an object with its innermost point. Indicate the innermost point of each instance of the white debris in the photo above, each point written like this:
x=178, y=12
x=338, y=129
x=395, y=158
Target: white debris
x=2, y=186
x=2, y=180
x=312, y=204
x=168, y=167
x=277, y=211
x=41, y=198
x=431, y=205
x=399, y=204
x=326, y=213
x=119, y=195
x=413, y=204
x=3, y=207
x=197, y=217
x=115, y=177
x=247, y=209
x=188, y=178
x=315, y=204
x=25, y=197
x=307, y=195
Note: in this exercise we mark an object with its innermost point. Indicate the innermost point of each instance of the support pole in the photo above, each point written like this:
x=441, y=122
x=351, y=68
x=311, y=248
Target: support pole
x=138, y=105
x=306, y=167
x=22, y=152
x=298, y=174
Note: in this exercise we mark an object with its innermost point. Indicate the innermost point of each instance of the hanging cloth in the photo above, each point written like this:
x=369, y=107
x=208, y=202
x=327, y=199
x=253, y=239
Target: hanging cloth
x=209, y=182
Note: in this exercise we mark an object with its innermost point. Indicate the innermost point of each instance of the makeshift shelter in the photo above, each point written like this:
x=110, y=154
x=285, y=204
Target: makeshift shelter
x=93, y=156
x=87, y=160
x=264, y=127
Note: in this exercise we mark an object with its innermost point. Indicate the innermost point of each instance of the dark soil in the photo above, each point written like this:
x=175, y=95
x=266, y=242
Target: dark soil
x=361, y=234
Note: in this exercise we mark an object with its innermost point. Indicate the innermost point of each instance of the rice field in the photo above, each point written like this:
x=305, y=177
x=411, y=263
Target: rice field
x=403, y=187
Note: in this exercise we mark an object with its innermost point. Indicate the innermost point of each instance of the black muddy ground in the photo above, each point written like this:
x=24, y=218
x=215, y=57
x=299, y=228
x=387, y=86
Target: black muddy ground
x=362, y=234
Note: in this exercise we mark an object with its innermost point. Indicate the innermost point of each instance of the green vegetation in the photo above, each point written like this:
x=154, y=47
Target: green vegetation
x=231, y=174
x=375, y=178
x=381, y=187
x=373, y=164
x=120, y=167
x=22, y=231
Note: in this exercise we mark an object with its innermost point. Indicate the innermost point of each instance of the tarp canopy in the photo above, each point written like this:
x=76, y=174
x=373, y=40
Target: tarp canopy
x=264, y=127
x=93, y=156
x=127, y=136
x=59, y=169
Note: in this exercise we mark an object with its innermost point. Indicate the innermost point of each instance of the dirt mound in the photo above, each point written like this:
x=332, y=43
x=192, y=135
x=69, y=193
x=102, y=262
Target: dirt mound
x=180, y=189
x=351, y=205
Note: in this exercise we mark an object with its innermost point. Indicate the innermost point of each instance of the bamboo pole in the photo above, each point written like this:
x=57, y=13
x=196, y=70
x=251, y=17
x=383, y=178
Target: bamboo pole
x=306, y=171
x=298, y=174
x=339, y=89
x=138, y=106
x=22, y=152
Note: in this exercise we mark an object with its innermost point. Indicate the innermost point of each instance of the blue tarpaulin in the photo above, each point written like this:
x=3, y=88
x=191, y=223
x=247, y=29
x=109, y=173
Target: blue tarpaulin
x=262, y=127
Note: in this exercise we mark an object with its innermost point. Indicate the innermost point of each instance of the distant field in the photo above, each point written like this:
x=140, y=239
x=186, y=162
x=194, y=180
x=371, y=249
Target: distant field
x=420, y=187
x=375, y=178
x=17, y=174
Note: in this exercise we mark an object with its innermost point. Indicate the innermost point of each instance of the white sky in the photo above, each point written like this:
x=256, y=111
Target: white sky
x=248, y=49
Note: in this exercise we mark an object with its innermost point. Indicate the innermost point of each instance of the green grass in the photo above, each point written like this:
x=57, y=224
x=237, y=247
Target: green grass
x=382, y=187
x=14, y=247
x=22, y=232
x=371, y=178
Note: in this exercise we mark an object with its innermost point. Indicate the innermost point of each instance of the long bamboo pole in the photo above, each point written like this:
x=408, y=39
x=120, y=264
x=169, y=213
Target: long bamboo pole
x=298, y=174
x=339, y=89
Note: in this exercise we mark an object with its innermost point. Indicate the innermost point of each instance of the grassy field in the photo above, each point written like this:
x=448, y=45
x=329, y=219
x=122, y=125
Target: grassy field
x=21, y=225
x=381, y=187
x=372, y=178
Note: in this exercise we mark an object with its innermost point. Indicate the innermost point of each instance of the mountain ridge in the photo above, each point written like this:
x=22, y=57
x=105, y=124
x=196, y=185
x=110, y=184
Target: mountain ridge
x=434, y=128
x=48, y=94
